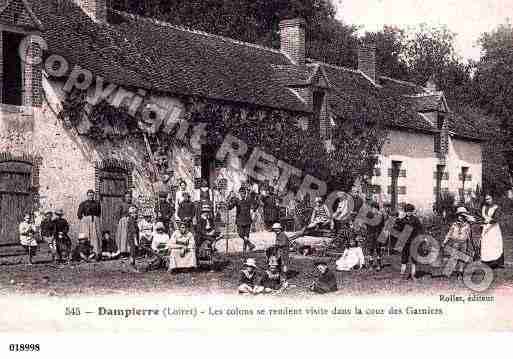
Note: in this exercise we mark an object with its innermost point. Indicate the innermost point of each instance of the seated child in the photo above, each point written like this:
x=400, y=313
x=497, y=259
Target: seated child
x=352, y=258
x=160, y=242
x=248, y=279
x=109, y=248
x=326, y=282
x=145, y=231
x=273, y=281
x=84, y=250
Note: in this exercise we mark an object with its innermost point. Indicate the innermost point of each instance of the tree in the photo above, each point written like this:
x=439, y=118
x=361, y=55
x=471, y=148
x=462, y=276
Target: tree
x=390, y=47
x=494, y=92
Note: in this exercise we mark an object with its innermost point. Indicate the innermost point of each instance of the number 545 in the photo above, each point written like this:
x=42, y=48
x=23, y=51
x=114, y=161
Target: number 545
x=72, y=311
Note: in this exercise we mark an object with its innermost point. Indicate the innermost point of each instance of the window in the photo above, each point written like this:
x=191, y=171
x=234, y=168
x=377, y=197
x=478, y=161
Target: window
x=445, y=176
x=12, y=84
x=321, y=123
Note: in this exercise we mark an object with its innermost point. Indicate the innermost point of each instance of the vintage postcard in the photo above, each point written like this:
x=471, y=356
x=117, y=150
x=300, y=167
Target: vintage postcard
x=255, y=166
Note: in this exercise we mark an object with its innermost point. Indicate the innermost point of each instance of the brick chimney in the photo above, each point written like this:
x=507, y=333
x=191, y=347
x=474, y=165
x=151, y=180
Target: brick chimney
x=292, y=39
x=367, y=59
x=96, y=9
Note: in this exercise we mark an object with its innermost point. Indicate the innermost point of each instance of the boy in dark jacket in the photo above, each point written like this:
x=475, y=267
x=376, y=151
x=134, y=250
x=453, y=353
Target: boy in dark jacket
x=47, y=228
x=326, y=282
x=245, y=206
x=412, y=221
x=84, y=250
x=62, y=239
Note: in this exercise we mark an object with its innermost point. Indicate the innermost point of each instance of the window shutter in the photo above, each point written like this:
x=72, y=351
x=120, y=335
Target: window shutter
x=402, y=173
x=437, y=143
x=402, y=190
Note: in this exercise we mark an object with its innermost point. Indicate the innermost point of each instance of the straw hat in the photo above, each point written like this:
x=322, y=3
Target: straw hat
x=48, y=211
x=250, y=262
x=59, y=212
x=206, y=208
x=82, y=236
x=409, y=207
x=462, y=211
x=159, y=225
x=277, y=226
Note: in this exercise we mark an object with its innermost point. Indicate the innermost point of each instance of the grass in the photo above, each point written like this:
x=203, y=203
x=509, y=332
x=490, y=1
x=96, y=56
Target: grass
x=116, y=277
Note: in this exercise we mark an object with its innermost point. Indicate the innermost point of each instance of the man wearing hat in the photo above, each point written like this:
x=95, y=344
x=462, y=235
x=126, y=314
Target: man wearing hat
x=61, y=236
x=248, y=279
x=459, y=236
x=326, y=282
x=47, y=229
x=410, y=221
x=243, y=218
x=206, y=233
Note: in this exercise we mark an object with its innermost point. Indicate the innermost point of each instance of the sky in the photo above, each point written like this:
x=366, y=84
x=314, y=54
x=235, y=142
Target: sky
x=467, y=18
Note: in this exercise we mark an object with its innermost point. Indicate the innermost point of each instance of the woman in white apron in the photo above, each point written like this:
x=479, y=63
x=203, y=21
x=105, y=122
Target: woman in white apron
x=492, y=252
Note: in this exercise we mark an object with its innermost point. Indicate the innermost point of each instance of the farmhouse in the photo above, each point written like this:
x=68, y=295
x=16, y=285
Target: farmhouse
x=63, y=131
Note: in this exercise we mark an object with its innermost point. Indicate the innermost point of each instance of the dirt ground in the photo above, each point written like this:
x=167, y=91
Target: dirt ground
x=117, y=277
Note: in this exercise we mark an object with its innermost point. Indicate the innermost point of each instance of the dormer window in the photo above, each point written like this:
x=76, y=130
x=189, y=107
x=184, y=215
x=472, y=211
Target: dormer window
x=321, y=123
x=12, y=69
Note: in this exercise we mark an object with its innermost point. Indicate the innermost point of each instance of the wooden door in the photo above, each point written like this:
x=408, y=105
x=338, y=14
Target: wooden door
x=15, y=198
x=113, y=186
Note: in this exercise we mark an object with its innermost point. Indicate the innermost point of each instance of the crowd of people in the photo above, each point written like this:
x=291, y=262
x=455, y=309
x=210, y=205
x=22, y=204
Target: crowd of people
x=179, y=234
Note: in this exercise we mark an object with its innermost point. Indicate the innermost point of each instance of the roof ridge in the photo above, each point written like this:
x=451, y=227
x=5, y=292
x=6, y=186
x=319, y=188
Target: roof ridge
x=412, y=84
x=198, y=32
x=333, y=66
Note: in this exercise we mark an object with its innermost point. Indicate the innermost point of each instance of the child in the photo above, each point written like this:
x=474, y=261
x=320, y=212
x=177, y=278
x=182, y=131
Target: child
x=374, y=230
x=186, y=210
x=326, y=282
x=27, y=237
x=247, y=283
x=146, y=230
x=273, y=281
x=159, y=246
x=160, y=242
x=283, y=246
x=62, y=240
x=84, y=250
x=412, y=221
x=47, y=229
x=109, y=248
x=352, y=258
x=459, y=236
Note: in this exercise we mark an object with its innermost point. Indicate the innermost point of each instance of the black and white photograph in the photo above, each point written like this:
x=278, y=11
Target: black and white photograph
x=171, y=164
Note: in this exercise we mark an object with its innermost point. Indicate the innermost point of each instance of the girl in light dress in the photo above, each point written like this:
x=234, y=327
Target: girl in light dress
x=352, y=258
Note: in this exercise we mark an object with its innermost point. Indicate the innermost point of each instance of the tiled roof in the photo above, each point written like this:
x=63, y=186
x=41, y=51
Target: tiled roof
x=145, y=53
x=353, y=95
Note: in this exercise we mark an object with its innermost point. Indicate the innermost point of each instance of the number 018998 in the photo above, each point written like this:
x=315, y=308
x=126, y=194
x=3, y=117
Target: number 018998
x=24, y=347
